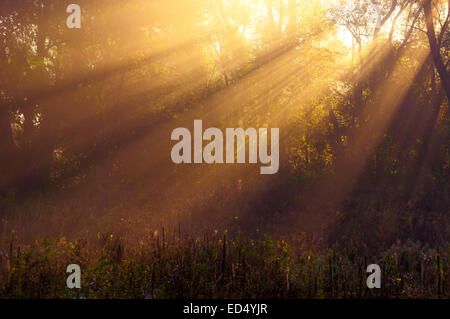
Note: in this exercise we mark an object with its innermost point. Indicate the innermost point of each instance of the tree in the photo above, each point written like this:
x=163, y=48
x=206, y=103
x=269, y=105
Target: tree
x=435, y=43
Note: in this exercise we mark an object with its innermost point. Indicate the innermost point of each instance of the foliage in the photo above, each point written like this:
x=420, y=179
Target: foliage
x=216, y=266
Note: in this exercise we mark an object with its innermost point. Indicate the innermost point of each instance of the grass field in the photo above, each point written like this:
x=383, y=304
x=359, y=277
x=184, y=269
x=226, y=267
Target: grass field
x=217, y=266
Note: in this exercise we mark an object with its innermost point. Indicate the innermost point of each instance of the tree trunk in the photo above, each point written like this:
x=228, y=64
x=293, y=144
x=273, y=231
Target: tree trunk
x=435, y=50
x=8, y=149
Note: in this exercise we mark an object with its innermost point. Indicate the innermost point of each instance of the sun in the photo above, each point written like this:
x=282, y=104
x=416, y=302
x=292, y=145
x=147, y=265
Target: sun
x=344, y=36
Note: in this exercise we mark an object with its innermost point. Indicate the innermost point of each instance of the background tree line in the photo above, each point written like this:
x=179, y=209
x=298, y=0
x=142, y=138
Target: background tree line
x=86, y=116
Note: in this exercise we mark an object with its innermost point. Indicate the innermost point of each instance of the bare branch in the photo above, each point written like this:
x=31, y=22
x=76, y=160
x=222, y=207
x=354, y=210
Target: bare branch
x=444, y=26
